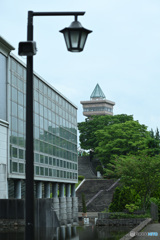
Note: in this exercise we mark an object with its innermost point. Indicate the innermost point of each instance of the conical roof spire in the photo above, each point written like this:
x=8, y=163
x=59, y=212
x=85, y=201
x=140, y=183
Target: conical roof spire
x=97, y=93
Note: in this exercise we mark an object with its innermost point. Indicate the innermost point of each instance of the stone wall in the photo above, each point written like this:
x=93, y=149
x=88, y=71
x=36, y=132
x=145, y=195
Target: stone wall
x=85, y=167
x=99, y=188
x=104, y=220
x=11, y=223
x=119, y=222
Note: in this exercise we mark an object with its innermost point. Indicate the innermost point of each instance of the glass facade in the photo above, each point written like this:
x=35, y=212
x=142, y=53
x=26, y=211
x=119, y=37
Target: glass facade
x=97, y=109
x=55, y=129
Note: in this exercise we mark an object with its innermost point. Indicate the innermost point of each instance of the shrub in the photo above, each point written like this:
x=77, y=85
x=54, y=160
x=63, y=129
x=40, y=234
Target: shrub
x=131, y=207
x=114, y=206
x=122, y=196
x=85, y=153
x=125, y=215
x=80, y=178
x=100, y=169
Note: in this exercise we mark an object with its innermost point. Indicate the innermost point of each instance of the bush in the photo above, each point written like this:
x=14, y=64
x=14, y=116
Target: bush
x=115, y=205
x=80, y=178
x=131, y=207
x=100, y=169
x=125, y=215
x=121, y=197
x=85, y=153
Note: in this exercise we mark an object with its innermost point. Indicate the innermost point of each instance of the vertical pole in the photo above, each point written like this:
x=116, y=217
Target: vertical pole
x=29, y=199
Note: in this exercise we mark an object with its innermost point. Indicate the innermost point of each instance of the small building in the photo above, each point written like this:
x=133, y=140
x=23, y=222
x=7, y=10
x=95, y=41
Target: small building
x=98, y=104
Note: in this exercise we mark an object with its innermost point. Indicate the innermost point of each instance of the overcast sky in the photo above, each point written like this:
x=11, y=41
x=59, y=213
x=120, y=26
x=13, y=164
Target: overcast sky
x=122, y=54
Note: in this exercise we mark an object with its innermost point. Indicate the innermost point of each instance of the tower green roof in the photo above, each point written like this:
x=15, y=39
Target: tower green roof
x=97, y=92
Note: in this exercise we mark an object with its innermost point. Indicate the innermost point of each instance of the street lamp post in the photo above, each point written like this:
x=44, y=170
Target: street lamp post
x=75, y=37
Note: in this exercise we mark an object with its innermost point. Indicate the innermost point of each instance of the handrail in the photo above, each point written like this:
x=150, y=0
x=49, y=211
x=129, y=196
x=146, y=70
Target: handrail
x=97, y=194
x=80, y=184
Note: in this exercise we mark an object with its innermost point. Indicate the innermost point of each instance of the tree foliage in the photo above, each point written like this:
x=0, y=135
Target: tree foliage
x=153, y=143
x=120, y=139
x=87, y=129
x=138, y=172
x=108, y=136
x=122, y=196
x=128, y=151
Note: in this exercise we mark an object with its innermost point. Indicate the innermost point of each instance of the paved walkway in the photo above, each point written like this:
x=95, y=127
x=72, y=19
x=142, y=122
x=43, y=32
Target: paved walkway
x=150, y=228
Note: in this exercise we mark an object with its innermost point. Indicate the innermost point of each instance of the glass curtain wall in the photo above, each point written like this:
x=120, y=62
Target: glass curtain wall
x=94, y=109
x=55, y=129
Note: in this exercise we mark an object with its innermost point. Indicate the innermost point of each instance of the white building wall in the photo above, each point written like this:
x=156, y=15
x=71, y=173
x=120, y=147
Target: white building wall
x=3, y=159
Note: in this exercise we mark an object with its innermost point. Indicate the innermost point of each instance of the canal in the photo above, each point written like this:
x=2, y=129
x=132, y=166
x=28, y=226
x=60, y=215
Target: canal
x=81, y=232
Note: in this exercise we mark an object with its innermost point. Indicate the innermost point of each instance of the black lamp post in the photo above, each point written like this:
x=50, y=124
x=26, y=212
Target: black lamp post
x=75, y=36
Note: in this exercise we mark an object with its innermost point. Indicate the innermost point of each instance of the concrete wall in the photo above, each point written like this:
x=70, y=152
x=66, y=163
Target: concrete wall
x=3, y=159
x=11, y=209
x=49, y=213
x=45, y=216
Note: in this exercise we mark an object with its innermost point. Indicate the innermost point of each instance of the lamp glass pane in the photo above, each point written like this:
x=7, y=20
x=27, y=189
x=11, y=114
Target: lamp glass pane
x=74, y=38
x=66, y=36
x=83, y=39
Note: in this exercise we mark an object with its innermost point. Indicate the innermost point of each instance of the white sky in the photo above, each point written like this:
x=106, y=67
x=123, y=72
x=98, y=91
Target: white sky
x=122, y=54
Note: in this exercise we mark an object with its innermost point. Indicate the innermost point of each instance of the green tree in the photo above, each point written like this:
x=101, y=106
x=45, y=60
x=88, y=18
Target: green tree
x=121, y=139
x=152, y=133
x=115, y=204
x=123, y=195
x=108, y=136
x=138, y=172
x=153, y=144
x=157, y=136
x=87, y=129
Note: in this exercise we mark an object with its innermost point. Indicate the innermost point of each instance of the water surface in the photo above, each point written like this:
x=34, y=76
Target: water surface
x=81, y=232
